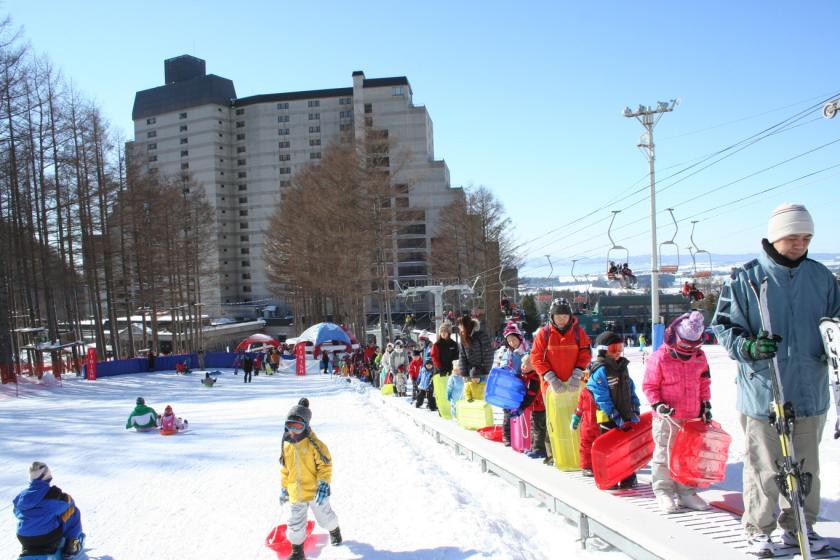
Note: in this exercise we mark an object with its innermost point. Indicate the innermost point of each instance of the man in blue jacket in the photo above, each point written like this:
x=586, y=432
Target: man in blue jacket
x=800, y=291
x=45, y=514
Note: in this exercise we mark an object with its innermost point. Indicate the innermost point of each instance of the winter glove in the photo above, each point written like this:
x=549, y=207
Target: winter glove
x=706, y=411
x=322, y=493
x=575, y=422
x=619, y=421
x=763, y=347
x=284, y=496
x=662, y=409
x=556, y=385
x=574, y=381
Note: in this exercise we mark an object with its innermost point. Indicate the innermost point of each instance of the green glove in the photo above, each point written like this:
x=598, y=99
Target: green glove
x=575, y=422
x=762, y=347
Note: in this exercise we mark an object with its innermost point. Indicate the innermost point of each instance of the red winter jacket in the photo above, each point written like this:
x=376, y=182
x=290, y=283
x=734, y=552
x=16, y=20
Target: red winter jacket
x=414, y=367
x=560, y=352
x=533, y=396
x=588, y=427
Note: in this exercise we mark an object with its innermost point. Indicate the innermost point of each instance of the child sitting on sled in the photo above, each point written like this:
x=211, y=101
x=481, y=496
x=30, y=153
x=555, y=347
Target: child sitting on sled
x=678, y=384
x=613, y=390
x=306, y=474
x=208, y=380
x=171, y=423
x=45, y=515
x=143, y=418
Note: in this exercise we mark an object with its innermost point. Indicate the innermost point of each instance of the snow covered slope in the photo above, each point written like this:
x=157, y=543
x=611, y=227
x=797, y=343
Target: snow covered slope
x=212, y=492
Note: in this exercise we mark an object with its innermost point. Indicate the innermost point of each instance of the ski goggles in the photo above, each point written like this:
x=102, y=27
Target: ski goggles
x=295, y=426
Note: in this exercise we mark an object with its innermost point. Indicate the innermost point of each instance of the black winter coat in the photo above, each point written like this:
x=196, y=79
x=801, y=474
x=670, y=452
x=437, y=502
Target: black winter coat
x=478, y=354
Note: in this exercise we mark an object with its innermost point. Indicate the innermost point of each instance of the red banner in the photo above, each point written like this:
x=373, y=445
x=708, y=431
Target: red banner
x=91, y=364
x=300, y=358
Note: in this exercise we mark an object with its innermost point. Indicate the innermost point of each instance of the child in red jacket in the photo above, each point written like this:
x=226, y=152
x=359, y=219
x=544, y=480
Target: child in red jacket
x=414, y=367
x=585, y=419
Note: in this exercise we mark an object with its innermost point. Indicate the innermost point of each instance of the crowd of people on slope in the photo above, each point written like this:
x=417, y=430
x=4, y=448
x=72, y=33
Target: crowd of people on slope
x=677, y=383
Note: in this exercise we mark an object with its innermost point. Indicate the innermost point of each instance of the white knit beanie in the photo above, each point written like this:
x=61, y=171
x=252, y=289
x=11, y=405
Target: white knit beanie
x=40, y=471
x=789, y=219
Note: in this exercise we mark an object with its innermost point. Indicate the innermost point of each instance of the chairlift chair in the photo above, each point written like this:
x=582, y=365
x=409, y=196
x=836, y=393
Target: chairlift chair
x=670, y=268
x=614, y=249
x=705, y=272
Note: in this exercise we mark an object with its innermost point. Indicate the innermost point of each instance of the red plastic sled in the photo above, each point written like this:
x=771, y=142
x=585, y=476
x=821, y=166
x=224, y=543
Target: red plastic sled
x=168, y=432
x=277, y=541
x=493, y=433
x=699, y=454
x=618, y=454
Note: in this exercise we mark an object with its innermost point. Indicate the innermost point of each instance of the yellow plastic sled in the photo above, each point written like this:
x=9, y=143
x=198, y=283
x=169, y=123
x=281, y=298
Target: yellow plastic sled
x=565, y=442
x=439, y=383
x=387, y=389
x=474, y=415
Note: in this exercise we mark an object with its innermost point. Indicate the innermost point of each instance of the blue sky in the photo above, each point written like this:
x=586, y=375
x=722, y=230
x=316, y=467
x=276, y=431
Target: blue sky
x=525, y=98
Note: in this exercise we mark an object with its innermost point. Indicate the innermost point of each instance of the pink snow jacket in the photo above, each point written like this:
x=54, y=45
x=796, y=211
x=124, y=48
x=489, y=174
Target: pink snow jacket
x=681, y=384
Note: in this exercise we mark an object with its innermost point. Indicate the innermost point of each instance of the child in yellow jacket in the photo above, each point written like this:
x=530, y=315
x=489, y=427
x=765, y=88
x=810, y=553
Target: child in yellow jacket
x=474, y=389
x=306, y=474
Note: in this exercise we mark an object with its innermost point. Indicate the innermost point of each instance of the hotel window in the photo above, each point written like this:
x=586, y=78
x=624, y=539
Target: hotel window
x=182, y=128
x=246, y=276
x=315, y=142
x=240, y=124
x=314, y=129
x=345, y=127
x=315, y=155
x=243, y=187
x=151, y=134
x=243, y=200
x=182, y=115
x=345, y=101
x=184, y=140
x=283, y=132
x=282, y=118
x=314, y=103
x=246, y=263
x=285, y=170
x=242, y=174
x=240, y=149
x=368, y=108
x=285, y=157
x=185, y=153
x=152, y=159
x=282, y=106
x=240, y=136
x=151, y=120
x=243, y=213
x=243, y=238
x=285, y=183
x=397, y=91
x=243, y=225
x=283, y=144
x=151, y=146
x=246, y=288
x=185, y=166
x=240, y=162
x=240, y=111
x=314, y=116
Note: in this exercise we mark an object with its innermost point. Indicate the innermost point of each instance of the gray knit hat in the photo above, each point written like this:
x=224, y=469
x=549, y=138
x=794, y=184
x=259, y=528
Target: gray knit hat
x=300, y=411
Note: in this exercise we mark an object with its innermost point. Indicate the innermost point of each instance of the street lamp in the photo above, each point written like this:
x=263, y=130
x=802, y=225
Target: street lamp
x=649, y=117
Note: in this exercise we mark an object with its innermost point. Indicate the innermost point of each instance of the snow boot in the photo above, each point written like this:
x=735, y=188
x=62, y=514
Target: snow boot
x=297, y=552
x=335, y=536
x=628, y=483
x=536, y=454
x=587, y=473
x=72, y=548
x=761, y=546
x=815, y=541
x=666, y=504
x=693, y=501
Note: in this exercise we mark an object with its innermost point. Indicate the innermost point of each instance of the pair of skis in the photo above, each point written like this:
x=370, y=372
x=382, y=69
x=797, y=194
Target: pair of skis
x=791, y=478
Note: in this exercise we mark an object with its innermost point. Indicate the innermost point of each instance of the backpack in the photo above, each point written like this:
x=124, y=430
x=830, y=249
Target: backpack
x=547, y=330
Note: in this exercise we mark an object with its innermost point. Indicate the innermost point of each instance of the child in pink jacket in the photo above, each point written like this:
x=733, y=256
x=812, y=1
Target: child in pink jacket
x=677, y=384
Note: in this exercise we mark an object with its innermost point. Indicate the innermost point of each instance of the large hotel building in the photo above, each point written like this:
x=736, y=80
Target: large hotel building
x=245, y=152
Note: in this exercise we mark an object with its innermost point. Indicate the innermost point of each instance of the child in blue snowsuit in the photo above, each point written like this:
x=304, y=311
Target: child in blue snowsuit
x=45, y=514
x=613, y=390
x=424, y=385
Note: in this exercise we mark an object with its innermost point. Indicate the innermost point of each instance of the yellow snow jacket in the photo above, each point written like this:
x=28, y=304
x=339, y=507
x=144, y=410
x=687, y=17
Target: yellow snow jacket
x=305, y=464
x=474, y=391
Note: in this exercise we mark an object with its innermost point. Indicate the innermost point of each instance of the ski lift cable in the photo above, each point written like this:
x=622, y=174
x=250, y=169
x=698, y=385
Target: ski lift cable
x=781, y=126
x=716, y=209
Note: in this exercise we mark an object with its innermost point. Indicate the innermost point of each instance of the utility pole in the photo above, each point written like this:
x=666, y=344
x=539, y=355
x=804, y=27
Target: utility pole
x=649, y=117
